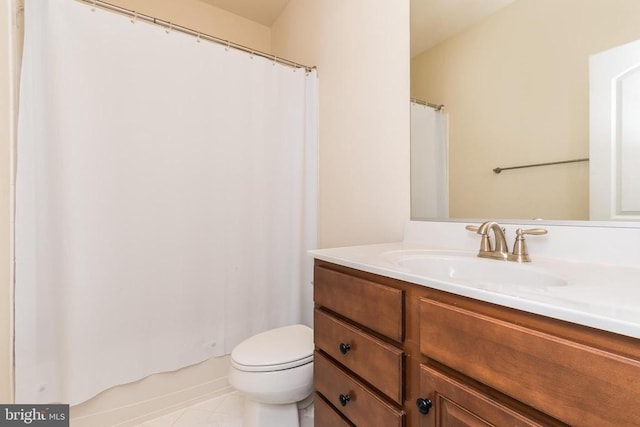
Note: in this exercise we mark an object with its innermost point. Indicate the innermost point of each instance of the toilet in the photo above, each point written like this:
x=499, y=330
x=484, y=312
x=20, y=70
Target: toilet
x=274, y=372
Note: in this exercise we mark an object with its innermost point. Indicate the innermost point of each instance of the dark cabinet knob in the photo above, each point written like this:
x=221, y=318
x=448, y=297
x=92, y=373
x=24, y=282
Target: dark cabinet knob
x=344, y=399
x=424, y=405
x=344, y=348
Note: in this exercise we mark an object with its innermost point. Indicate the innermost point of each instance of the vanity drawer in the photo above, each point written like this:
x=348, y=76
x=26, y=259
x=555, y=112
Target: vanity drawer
x=363, y=407
x=325, y=416
x=575, y=383
x=379, y=363
x=355, y=298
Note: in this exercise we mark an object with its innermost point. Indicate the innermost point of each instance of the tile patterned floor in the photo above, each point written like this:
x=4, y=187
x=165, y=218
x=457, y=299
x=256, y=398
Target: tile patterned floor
x=223, y=411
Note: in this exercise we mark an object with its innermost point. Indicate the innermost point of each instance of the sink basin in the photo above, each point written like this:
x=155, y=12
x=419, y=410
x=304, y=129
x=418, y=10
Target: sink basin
x=468, y=269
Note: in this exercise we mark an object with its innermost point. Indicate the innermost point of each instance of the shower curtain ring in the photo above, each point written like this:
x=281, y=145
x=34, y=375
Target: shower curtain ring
x=198, y=38
x=93, y=8
x=168, y=30
x=228, y=43
x=134, y=18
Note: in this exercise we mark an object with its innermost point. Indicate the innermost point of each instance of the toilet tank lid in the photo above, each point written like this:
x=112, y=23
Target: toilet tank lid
x=275, y=347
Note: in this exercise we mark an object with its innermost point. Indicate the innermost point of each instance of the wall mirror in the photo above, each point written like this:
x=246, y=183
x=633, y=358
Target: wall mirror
x=513, y=76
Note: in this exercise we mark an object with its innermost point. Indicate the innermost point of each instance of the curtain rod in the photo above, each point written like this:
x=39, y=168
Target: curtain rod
x=498, y=170
x=169, y=26
x=437, y=107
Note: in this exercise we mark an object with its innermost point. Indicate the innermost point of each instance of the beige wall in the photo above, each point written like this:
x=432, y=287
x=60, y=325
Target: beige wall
x=516, y=88
x=8, y=48
x=361, y=49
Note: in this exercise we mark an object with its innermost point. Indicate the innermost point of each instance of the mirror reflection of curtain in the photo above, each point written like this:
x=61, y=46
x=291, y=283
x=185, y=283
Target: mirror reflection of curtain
x=165, y=200
x=429, y=163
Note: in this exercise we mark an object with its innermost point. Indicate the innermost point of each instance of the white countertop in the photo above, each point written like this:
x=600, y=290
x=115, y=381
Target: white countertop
x=598, y=295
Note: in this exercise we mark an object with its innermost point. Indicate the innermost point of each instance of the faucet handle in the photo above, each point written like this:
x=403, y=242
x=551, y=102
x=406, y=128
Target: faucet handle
x=533, y=231
x=485, y=242
x=520, y=253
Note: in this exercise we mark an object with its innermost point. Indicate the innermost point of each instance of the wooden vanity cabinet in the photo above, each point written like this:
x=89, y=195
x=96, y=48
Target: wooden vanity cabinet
x=466, y=362
x=359, y=360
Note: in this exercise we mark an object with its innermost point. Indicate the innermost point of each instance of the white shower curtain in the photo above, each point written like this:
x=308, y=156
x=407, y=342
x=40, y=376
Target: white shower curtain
x=165, y=200
x=429, y=163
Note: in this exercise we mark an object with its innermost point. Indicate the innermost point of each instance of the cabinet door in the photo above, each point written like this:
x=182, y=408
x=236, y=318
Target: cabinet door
x=454, y=404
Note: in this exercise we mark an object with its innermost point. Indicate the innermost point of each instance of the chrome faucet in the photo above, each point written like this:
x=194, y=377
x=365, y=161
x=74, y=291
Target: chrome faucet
x=501, y=250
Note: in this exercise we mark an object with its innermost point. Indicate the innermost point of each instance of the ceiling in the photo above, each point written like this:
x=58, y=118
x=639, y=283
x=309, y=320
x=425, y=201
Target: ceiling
x=432, y=21
x=264, y=12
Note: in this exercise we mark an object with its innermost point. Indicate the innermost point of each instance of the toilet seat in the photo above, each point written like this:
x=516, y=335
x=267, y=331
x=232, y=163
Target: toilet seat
x=275, y=350
x=270, y=368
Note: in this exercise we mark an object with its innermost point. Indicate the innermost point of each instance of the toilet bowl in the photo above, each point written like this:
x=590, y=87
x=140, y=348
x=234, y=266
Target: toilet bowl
x=274, y=371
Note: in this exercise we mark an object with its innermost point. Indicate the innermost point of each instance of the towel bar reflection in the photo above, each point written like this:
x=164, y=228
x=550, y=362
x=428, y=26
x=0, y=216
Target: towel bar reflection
x=437, y=107
x=498, y=170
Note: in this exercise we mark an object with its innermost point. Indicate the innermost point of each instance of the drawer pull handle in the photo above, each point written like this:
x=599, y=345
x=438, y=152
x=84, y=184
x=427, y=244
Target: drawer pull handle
x=344, y=399
x=344, y=348
x=424, y=405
